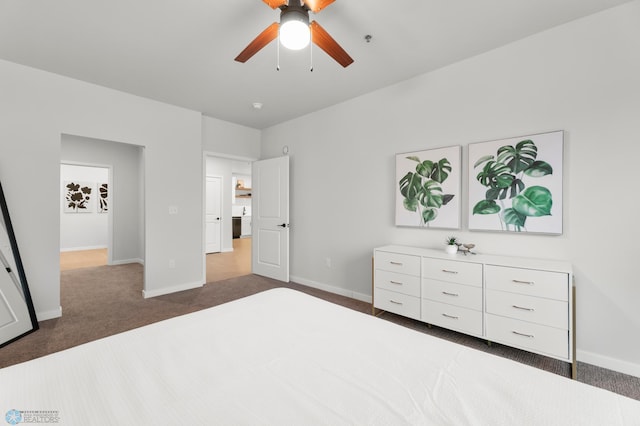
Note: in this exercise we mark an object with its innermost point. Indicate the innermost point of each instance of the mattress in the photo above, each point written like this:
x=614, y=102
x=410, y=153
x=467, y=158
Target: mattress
x=282, y=357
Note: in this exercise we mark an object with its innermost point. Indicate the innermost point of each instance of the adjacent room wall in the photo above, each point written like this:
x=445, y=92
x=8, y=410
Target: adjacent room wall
x=37, y=108
x=581, y=77
x=126, y=193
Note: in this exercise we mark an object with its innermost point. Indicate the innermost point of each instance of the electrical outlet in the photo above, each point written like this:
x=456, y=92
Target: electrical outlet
x=172, y=263
x=173, y=209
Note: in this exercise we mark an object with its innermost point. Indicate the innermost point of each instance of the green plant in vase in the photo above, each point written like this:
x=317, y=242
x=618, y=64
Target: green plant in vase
x=503, y=176
x=451, y=245
x=422, y=190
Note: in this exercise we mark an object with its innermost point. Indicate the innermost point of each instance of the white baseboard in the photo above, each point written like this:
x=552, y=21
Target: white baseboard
x=167, y=290
x=604, y=361
x=127, y=261
x=332, y=289
x=222, y=250
x=82, y=248
x=47, y=315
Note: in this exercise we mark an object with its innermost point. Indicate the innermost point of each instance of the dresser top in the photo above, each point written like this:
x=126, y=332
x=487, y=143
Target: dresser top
x=485, y=259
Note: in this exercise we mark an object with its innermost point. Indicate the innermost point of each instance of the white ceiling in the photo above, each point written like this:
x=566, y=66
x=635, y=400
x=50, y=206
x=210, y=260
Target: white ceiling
x=182, y=51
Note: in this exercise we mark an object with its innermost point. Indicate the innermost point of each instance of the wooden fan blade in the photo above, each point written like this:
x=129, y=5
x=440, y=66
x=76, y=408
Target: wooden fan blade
x=324, y=41
x=317, y=5
x=259, y=42
x=274, y=4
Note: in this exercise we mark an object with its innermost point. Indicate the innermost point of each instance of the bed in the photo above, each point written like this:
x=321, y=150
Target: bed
x=282, y=357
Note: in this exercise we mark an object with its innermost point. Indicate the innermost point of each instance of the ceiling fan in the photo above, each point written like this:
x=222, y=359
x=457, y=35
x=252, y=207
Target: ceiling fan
x=294, y=16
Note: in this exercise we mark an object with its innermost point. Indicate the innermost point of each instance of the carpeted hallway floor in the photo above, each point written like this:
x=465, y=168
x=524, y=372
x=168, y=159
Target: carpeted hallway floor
x=105, y=300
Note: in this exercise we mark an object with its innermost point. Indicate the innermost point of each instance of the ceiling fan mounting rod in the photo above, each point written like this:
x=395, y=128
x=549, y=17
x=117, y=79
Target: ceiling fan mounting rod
x=296, y=11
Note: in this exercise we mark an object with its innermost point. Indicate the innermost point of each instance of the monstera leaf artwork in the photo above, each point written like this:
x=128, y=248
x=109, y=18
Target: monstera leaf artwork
x=516, y=184
x=428, y=187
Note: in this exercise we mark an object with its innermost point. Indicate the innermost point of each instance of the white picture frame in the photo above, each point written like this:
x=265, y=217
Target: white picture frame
x=515, y=184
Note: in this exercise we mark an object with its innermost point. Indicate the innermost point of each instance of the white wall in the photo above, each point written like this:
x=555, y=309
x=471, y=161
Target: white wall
x=232, y=140
x=83, y=230
x=36, y=109
x=126, y=192
x=581, y=77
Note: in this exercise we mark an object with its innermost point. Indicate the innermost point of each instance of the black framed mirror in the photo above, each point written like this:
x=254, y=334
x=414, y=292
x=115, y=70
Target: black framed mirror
x=17, y=314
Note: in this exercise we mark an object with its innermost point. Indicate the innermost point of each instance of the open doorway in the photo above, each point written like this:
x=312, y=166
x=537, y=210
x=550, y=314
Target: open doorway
x=84, y=217
x=108, y=176
x=228, y=217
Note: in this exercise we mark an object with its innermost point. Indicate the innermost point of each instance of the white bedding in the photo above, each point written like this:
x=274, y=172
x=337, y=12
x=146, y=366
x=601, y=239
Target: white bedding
x=285, y=358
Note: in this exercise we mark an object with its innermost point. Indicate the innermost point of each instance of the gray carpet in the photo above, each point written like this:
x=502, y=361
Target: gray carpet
x=101, y=301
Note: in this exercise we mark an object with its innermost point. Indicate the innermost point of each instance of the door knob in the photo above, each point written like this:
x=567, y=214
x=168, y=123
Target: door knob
x=284, y=225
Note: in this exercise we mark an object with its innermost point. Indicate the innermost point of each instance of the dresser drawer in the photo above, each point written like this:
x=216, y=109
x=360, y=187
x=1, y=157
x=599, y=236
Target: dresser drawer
x=394, y=262
x=529, y=336
x=398, y=303
x=452, y=271
x=401, y=283
x=454, y=294
x=553, y=313
x=468, y=321
x=552, y=285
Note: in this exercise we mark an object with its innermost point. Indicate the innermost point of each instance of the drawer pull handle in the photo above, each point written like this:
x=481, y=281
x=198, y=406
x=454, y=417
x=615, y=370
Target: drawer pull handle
x=522, y=308
x=395, y=282
x=523, y=282
x=450, y=316
x=395, y=303
x=450, y=294
x=449, y=272
x=530, y=336
x=396, y=263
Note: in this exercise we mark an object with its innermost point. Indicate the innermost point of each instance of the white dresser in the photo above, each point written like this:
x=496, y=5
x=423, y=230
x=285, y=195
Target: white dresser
x=520, y=302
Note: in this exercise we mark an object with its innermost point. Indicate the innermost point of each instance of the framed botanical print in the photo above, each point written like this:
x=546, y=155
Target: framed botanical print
x=515, y=184
x=78, y=197
x=428, y=188
x=103, y=198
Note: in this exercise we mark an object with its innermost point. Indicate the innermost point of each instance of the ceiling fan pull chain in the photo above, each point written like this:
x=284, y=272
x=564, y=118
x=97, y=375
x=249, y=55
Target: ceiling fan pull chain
x=278, y=54
x=311, y=52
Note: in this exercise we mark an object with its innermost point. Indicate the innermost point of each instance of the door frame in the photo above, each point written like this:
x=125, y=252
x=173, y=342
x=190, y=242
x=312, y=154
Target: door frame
x=205, y=155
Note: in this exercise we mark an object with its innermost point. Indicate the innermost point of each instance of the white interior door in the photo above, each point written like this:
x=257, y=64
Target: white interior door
x=270, y=217
x=15, y=319
x=213, y=215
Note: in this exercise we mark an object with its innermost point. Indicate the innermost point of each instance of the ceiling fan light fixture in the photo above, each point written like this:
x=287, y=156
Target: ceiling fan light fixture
x=294, y=29
x=294, y=16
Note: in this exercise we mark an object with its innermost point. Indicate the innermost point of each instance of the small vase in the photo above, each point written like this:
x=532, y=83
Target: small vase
x=451, y=249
